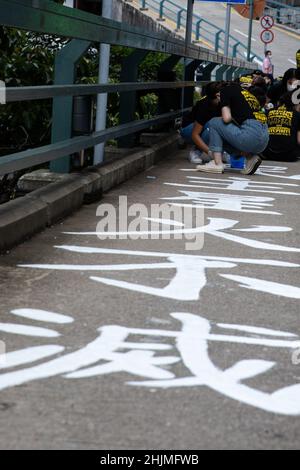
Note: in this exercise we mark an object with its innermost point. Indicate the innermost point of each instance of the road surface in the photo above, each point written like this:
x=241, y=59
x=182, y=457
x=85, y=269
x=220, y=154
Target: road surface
x=147, y=344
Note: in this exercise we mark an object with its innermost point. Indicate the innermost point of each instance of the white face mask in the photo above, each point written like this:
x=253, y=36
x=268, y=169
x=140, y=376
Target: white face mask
x=293, y=86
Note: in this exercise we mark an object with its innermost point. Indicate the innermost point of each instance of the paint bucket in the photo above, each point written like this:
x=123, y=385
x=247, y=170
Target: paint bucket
x=237, y=162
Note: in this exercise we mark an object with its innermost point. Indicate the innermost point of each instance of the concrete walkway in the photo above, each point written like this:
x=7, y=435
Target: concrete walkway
x=144, y=344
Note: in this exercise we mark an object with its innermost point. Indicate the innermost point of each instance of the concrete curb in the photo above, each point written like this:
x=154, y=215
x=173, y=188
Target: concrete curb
x=23, y=217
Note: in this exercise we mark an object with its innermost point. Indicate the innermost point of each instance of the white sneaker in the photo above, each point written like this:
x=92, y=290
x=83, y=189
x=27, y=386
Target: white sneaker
x=226, y=157
x=211, y=167
x=195, y=156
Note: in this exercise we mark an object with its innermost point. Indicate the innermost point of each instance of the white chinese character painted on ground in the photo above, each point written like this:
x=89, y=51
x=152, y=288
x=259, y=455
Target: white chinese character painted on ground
x=237, y=184
x=276, y=172
x=216, y=227
x=264, y=170
x=224, y=202
x=112, y=352
x=190, y=272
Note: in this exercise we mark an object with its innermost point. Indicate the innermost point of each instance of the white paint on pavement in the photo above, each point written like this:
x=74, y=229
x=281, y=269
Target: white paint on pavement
x=274, y=288
x=111, y=353
x=42, y=315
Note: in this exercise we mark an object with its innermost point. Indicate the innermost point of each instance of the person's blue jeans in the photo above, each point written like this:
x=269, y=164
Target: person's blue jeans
x=251, y=137
x=186, y=134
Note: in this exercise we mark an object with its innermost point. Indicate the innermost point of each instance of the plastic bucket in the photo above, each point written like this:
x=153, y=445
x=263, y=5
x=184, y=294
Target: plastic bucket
x=237, y=162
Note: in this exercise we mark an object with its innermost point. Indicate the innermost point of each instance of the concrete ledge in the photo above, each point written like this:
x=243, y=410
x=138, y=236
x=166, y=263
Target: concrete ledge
x=23, y=217
x=61, y=198
x=20, y=219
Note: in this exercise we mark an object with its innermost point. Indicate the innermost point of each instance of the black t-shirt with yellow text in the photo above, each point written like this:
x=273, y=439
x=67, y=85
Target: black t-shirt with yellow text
x=283, y=127
x=243, y=104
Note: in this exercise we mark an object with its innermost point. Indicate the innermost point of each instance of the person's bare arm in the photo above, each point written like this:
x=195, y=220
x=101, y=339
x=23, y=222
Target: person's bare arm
x=201, y=145
x=298, y=137
x=226, y=114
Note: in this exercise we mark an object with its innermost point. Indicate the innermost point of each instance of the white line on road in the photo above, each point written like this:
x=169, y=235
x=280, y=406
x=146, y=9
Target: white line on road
x=292, y=61
x=243, y=34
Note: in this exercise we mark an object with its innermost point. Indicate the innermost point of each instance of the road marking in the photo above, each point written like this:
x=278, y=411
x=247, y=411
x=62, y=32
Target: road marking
x=243, y=34
x=292, y=61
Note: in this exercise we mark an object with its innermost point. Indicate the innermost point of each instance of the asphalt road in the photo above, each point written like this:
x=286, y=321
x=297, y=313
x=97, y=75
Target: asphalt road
x=83, y=369
x=284, y=46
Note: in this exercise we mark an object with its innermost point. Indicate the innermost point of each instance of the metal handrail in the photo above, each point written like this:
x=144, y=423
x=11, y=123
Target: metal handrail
x=47, y=153
x=282, y=5
x=31, y=93
x=47, y=17
x=214, y=34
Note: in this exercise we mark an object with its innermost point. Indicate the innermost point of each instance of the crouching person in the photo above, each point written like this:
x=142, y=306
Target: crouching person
x=284, y=130
x=242, y=129
x=197, y=130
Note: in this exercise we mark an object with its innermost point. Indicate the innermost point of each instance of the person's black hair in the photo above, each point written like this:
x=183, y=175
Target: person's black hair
x=212, y=89
x=260, y=82
x=258, y=72
x=288, y=74
x=286, y=100
x=267, y=52
x=259, y=93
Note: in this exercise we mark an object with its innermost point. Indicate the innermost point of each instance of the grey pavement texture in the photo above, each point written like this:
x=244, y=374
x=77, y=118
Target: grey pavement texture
x=104, y=411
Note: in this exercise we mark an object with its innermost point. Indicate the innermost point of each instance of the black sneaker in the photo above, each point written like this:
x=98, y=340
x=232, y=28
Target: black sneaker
x=252, y=165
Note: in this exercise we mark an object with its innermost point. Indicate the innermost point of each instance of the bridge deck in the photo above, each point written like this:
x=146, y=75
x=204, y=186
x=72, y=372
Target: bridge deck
x=245, y=274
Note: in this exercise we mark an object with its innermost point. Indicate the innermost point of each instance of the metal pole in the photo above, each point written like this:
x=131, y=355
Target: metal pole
x=189, y=23
x=227, y=29
x=250, y=29
x=107, y=12
x=188, y=40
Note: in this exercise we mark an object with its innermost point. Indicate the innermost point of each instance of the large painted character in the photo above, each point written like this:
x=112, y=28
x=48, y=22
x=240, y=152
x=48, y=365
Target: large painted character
x=190, y=270
x=112, y=352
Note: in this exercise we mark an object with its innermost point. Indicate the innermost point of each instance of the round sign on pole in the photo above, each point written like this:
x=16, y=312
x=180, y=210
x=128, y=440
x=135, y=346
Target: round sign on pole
x=267, y=22
x=267, y=36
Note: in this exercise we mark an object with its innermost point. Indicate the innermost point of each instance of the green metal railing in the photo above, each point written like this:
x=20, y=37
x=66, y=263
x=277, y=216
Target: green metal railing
x=282, y=13
x=202, y=28
x=83, y=29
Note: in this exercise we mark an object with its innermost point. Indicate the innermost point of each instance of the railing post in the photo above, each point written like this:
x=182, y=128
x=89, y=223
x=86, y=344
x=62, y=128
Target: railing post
x=235, y=48
x=217, y=40
x=189, y=75
x=168, y=99
x=221, y=72
x=198, y=24
x=161, y=11
x=62, y=114
x=128, y=100
x=179, y=17
x=207, y=71
x=143, y=6
x=230, y=72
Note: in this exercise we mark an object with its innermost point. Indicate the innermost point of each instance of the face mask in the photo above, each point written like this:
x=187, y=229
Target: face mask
x=292, y=87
